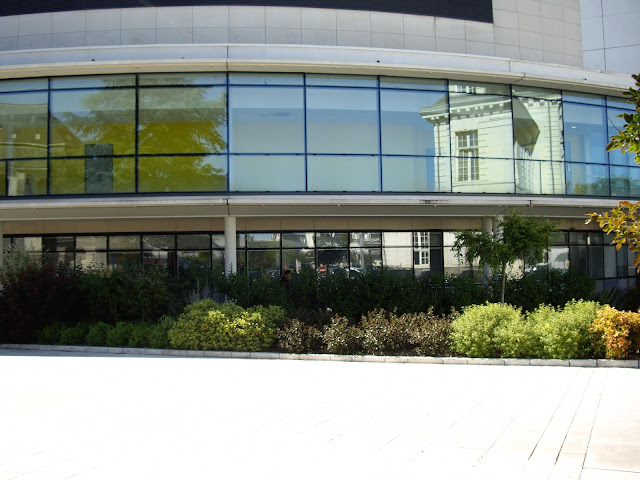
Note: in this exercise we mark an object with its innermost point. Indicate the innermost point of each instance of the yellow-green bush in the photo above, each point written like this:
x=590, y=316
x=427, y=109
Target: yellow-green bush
x=474, y=332
x=564, y=333
x=208, y=325
x=618, y=332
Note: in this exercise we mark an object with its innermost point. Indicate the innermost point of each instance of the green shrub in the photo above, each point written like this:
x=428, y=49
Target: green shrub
x=98, y=334
x=341, y=338
x=76, y=335
x=474, y=332
x=616, y=332
x=564, y=333
x=209, y=326
x=119, y=335
x=50, y=334
x=297, y=337
x=273, y=315
x=139, y=335
x=517, y=338
x=159, y=333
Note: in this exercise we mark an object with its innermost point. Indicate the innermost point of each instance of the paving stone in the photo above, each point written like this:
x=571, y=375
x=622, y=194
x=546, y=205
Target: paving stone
x=398, y=359
x=436, y=360
x=486, y=361
x=342, y=358
x=153, y=351
x=290, y=356
x=195, y=353
x=517, y=361
x=552, y=362
x=240, y=354
x=115, y=350
x=265, y=355
x=217, y=354
x=455, y=360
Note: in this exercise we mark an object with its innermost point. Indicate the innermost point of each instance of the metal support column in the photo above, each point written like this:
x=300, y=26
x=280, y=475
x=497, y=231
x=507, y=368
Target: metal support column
x=230, y=245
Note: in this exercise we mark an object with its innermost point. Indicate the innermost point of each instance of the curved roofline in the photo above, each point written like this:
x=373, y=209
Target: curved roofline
x=305, y=58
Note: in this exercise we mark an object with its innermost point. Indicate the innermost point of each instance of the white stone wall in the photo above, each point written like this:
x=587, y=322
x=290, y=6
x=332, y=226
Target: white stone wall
x=535, y=30
x=611, y=35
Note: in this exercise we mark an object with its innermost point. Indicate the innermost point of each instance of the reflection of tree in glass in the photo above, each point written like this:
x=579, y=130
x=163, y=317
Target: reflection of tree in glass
x=171, y=121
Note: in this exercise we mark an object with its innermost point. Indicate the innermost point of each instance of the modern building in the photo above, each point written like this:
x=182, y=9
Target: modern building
x=270, y=134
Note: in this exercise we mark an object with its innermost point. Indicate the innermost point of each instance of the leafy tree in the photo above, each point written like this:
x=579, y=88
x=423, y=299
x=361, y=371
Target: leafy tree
x=623, y=221
x=518, y=237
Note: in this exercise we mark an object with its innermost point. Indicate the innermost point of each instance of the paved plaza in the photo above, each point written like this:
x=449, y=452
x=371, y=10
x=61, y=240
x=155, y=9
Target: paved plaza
x=82, y=416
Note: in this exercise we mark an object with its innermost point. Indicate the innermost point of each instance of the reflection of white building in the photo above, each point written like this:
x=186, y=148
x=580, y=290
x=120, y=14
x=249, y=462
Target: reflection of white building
x=369, y=133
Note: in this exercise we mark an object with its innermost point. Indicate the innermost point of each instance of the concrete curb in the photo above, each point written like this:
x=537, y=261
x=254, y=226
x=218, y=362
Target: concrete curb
x=151, y=352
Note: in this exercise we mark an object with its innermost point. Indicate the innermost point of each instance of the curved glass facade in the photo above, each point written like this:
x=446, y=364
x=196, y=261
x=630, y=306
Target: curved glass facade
x=154, y=133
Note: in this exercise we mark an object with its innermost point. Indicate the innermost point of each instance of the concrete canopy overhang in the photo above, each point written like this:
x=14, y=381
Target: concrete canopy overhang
x=330, y=205
x=304, y=58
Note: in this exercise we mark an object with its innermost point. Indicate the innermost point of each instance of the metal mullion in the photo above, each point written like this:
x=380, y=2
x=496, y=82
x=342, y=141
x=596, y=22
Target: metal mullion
x=304, y=122
x=513, y=140
x=48, y=137
x=228, y=154
x=378, y=97
x=137, y=133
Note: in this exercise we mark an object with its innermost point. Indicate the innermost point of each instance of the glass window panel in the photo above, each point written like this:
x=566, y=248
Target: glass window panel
x=622, y=257
x=263, y=263
x=194, y=264
x=481, y=126
x=263, y=240
x=23, y=125
x=342, y=80
x=265, y=79
x=241, y=259
x=96, y=260
x=91, y=243
x=421, y=239
x=182, y=79
x=27, y=177
x=342, y=120
x=241, y=240
x=584, y=133
x=92, y=122
x=6, y=243
x=58, y=244
x=92, y=175
x=583, y=98
x=578, y=238
x=614, y=124
x=217, y=261
x=414, y=123
x=483, y=175
x=343, y=174
x=94, y=81
x=365, y=260
x=120, y=259
x=559, y=238
x=217, y=240
x=454, y=265
x=267, y=173
x=266, y=120
x=631, y=272
x=435, y=239
x=559, y=258
x=457, y=86
x=298, y=260
x=55, y=259
x=540, y=177
x=421, y=260
x=618, y=102
x=182, y=120
x=610, y=264
x=596, y=265
x=194, y=242
x=298, y=240
x=22, y=85
x=397, y=239
x=158, y=242
x=625, y=181
x=534, y=92
x=537, y=129
x=331, y=261
x=332, y=239
x=594, y=238
x=398, y=259
x=28, y=244
x=584, y=179
x=416, y=174
x=124, y=242
x=365, y=239
x=413, y=83
x=182, y=174
x=449, y=238
x=159, y=259
x=578, y=258
x=3, y=179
